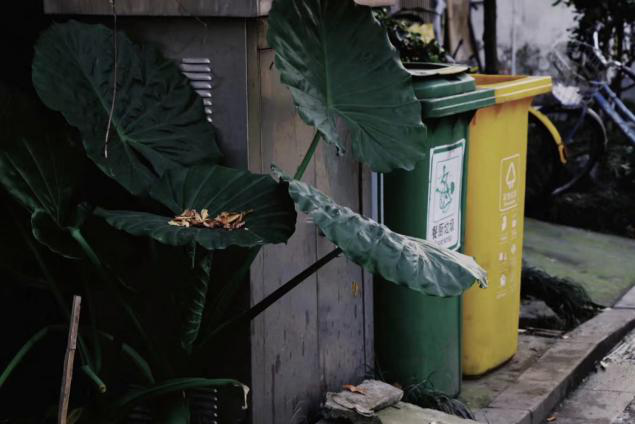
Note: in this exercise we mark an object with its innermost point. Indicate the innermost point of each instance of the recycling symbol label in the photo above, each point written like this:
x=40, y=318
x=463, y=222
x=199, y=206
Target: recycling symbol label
x=444, y=194
x=510, y=178
x=509, y=182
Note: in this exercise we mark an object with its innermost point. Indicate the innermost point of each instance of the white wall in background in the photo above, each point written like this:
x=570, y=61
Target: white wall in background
x=539, y=26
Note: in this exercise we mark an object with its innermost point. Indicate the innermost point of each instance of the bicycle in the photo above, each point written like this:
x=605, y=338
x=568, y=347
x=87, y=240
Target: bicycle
x=567, y=138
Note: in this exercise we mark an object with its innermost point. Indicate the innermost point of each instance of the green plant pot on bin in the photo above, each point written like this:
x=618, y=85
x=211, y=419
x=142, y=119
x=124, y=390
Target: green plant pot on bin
x=418, y=337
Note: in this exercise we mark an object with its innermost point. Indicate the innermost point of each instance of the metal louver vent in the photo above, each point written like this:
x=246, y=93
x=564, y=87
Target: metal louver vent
x=203, y=403
x=199, y=71
x=204, y=406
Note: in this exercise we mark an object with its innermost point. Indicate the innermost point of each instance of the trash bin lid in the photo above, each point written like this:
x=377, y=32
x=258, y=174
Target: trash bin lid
x=445, y=90
x=432, y=80
x=514, y=87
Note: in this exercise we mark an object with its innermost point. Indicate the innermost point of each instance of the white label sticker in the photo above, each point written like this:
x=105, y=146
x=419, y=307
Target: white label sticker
x=444, y=195
x=509, y=182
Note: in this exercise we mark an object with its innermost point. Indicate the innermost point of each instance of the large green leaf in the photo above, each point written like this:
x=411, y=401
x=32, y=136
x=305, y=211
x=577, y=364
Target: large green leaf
x=196, y=301
x=175, y=385
x=158, y=121
x=338, y=62
x=219, y=189
x=418, y=264
x=41, y=169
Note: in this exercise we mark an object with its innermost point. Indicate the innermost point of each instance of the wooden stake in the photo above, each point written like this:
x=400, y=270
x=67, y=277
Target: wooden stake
x=69, y=359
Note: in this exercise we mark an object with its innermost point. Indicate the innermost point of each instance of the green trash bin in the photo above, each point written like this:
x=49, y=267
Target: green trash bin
x=418, y=337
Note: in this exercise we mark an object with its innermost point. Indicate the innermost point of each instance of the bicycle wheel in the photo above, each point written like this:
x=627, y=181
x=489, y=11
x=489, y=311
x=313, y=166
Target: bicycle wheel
x=584, y=138
x=543, y=163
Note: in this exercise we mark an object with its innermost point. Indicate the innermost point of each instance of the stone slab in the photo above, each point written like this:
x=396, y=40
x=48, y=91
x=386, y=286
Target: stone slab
x=601, y=263
x=543, y=385
x=566, y=420
x=595, y=405
x=479, y=392
x=562, y=360
x=360, y=407
x=627, y=301
x=628, y=416
x=608, y=327
x=407, y=413
x=616, y=377
x=503, y=416
x=538, y=397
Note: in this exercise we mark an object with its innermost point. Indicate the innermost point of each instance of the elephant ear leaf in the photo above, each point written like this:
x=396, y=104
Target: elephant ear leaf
x=196, y=302
x=338, y=63
x=158, y=122
x=41, y=169
x=269, y=214
x=418, y=264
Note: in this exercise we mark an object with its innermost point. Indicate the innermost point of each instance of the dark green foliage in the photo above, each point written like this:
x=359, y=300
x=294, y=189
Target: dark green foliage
x=41, y=168
x=425, y=397
x=614, y=19
x=338, y=63
x=567, y=299
x=271, y=217
x=158, y=121
x=417, y=264
x=48, y=174
x=603, y=202
x=411, y=45
x=148, y=304
x=197, y=300
x=603, y=210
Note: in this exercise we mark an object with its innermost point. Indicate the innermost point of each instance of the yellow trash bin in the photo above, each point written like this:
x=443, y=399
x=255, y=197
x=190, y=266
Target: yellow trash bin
x=494, y=219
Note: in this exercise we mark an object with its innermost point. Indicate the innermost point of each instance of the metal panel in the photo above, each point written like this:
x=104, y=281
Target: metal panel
x=223, y=42
x=235, y=8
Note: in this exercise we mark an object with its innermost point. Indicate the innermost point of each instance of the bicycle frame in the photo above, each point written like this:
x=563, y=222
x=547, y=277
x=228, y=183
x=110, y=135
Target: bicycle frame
x=618, y=113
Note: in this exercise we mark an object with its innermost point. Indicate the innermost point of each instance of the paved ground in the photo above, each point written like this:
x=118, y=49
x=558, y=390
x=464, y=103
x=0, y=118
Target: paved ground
x=608, y=395
x=601, y=263
x=479, y=393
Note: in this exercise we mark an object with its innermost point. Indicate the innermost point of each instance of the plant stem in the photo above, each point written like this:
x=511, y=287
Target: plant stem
x=57, y=293
x=101, y=386
x=26, y=348
x=92, y=313
x=134, y=356
x=101, y=270
x=307, y=157
x=196, y=303
x=228, y=292
x=273, y=297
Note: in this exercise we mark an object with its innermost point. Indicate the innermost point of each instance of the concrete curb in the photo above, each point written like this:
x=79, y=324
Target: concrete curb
x=538, y=390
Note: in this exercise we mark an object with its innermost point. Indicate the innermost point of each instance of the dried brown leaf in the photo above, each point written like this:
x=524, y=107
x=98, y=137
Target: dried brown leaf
x=354, y=389
x=226, y=220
